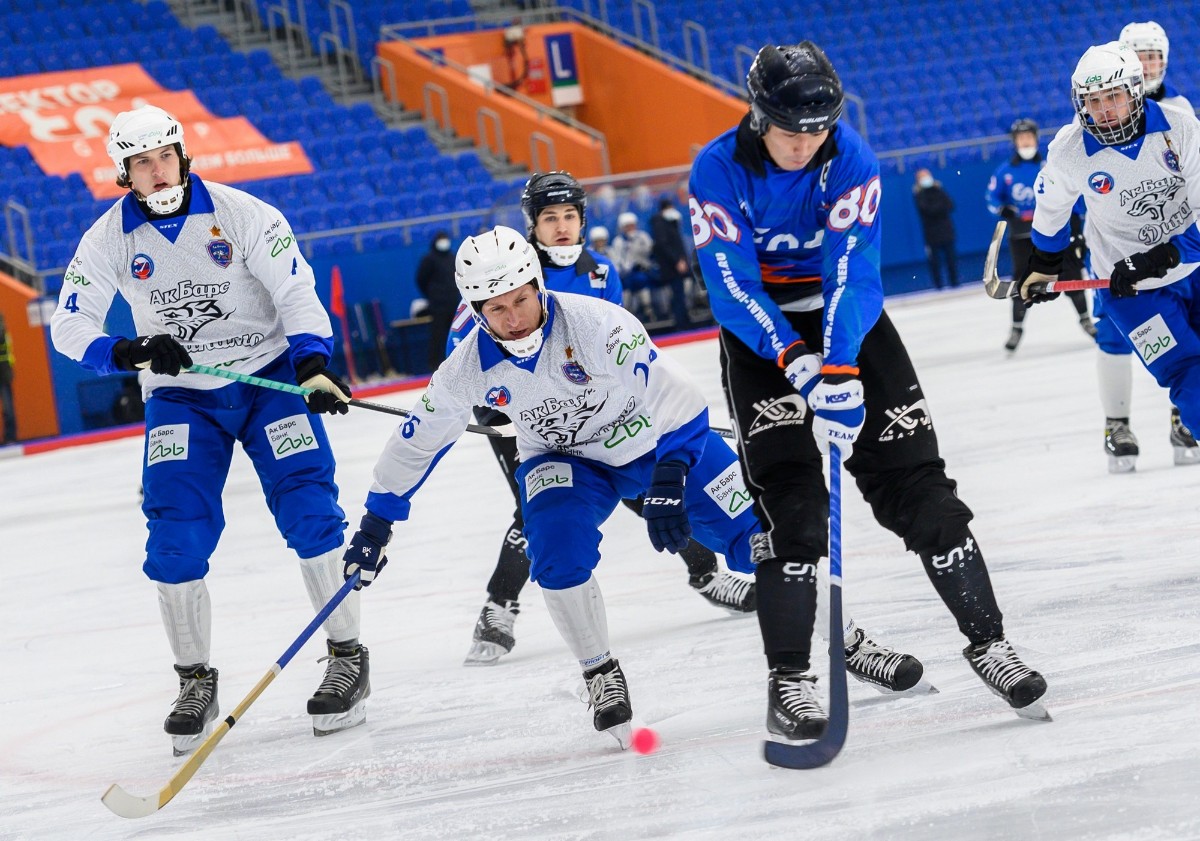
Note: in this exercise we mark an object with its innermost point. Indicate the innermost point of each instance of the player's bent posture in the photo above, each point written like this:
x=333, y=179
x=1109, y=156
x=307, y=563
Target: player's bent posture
x=1134, y=163
x=600, y=416
x=555, y=209
x=784, y=210
x=214, y=275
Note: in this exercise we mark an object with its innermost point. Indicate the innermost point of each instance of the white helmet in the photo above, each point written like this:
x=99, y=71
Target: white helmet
x=1148, y=37
x=492, y=264
x=598, y=232
x=626, y=218
x=141, y=130
x=1105, y=70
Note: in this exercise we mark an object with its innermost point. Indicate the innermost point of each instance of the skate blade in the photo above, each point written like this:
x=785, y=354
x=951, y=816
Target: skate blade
x=623, y=733
x=324, y=725
x=921, y=687
x=1122, y=464
x=1187, y=455
x=1034, y=712
x=183, y=745
x=484, y=654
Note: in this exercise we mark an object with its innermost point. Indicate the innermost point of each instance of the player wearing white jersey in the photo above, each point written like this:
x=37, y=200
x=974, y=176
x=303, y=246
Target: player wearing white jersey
x=1150, y=42
x=599, y=416
x=214, y=276
x=1134, y=163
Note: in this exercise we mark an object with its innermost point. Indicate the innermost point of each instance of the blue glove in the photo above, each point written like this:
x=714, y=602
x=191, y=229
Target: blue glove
x=1137, y=267
x=801, y=366
x=663, y=509
x=365, y=552
x=838, y=412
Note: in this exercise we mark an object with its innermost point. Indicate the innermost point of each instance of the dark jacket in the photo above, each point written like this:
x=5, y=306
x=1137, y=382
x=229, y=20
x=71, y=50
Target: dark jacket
x=668, y=243
x=935, y=206
x=435, y=279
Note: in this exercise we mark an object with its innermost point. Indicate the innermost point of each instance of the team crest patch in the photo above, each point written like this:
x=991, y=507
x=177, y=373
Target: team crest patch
x=167, y=443
x=292, y=435
x=142, y=266
x=498, y=397
x=575, y=373
x=1152, y=339
x=1100, y=182
x=552, y=474
x=1171, y=160
x=221, y=252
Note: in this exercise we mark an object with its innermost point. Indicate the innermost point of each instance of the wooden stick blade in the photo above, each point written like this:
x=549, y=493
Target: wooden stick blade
x=126, y=805
x=992, y=284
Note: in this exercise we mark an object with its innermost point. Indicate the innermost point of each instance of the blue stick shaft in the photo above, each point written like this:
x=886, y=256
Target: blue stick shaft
x=329, y=608
x=835, y=512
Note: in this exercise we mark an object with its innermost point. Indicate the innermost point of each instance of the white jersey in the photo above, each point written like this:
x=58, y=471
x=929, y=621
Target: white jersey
x=599, y=390
x=1132, y=204
x=227, y=280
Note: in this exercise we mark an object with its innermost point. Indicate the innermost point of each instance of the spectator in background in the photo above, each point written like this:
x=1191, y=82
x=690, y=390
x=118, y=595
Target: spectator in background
x=435, y=280
x=1010, y=196
x=630, y=252
x=935, y=206
x=9, y=434
x=672, y=259
x=598, y=240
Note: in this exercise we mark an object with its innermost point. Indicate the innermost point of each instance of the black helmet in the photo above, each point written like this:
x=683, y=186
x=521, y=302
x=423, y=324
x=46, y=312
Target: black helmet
x=1023, y=124
x=544, y=189
x=794, y=87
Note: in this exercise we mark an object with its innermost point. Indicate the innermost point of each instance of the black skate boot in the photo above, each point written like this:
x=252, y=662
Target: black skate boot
x=793, y=709
x=1121, y=445
x=998, y=665
x=608, y=696
x=493, y=637
x=726, y=590
x=195, y=709
x=340, y=701
x=1182, y=441
x=883, y=668
x=1014, y=338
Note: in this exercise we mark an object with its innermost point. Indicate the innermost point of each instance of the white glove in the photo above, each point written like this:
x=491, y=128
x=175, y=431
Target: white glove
x=838, y=412
x=801, y=366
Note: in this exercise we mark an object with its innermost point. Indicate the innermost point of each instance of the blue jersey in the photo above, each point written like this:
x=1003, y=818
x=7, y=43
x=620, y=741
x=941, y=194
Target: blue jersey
x=1011, y=185
x=769, y=240
x=592, y=274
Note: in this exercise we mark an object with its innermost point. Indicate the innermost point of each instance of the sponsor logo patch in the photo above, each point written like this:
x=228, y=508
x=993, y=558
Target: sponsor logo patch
x=291, y=435
x=789, y=410
x=729, y=491
x=907, y=421
x=552, y=474
x=1152, y=339
x=167, y=443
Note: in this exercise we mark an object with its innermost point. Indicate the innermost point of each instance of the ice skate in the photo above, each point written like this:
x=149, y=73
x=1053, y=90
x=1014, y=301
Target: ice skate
x=608, y=696
x=794, y=711
x=1085, y=321
x=1121, y=445
x=1014, y=338
x=191, y=719
x=726, y=590
x=340, y=701
x=493, y=636
x=1182, y=441
x=998, y=666
x=887, y=670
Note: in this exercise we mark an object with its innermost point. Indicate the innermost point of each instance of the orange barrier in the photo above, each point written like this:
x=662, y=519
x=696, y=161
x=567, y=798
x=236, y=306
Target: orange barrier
x=652, y=116
x=63, y=118
x=33, y=385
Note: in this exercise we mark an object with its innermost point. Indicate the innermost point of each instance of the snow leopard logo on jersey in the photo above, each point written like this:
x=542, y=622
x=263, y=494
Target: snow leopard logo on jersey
x=187, y=319
x=558, y=422
x=907, y=421
x=1149, y=197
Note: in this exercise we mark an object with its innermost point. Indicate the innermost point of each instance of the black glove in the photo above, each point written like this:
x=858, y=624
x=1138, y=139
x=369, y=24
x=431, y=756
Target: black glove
x=1078, y=247
x=1127, y=273
x=329, y=394
x=161, y=354
x=1042, y=268
x=365, y=555
x=663, y=509
x=1008, y=213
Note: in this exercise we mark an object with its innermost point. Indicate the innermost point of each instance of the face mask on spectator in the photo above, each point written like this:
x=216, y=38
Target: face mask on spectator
x=442, y=245
x=925, y=182
x=671, y=214
x=1027, y=153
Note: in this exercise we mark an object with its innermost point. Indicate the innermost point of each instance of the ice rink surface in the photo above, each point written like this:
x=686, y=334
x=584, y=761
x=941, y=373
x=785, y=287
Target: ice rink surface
x=1098, y=575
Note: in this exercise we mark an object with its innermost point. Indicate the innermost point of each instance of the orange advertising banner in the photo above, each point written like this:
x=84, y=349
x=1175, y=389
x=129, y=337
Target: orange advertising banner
x=64, y=119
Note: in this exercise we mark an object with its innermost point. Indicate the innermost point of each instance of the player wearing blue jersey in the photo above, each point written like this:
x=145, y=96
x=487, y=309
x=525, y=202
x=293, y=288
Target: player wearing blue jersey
x=1113, y=363
x=1127, y=156
x=599, y=415
x=555, y=209
x=784, y=213
x=1009, y=195
x=214, y=275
